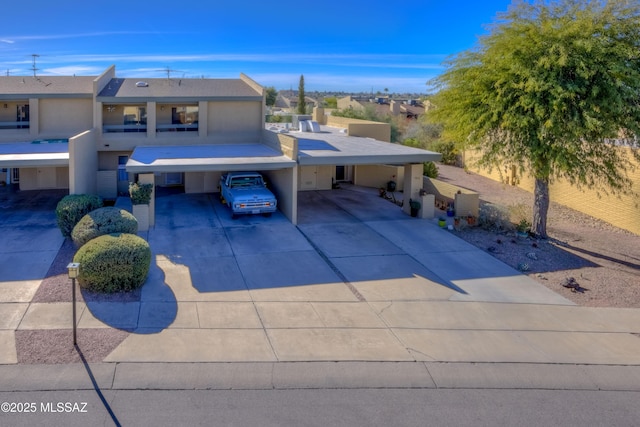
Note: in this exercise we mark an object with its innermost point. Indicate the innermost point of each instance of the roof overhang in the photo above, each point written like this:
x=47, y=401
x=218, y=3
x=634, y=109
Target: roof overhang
x=24, y=155
x=205, y=158
x=332, y=149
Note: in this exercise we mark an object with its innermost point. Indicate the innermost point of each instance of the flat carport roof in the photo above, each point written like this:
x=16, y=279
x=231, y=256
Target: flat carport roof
x=330, y=147
x=26, y=154
x=203, y=158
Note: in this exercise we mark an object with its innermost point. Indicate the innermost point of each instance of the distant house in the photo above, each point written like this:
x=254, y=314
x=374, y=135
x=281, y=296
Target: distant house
x=384, y=105
x=96, y=134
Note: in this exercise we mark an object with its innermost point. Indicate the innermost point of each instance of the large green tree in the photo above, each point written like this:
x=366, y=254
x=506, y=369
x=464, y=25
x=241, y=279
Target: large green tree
x=554, y=89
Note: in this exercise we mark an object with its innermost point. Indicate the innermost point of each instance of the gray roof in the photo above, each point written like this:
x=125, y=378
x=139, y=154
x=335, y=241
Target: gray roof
x=25, y=154
x=121, y=89
x=12, y=87
x=332, y=147
x=201, y=158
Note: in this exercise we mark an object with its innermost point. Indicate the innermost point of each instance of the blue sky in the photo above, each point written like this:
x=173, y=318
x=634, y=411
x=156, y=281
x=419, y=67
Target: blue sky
x=347, y=45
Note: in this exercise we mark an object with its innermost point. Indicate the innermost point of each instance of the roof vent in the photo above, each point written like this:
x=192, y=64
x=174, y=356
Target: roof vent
x=142, y=84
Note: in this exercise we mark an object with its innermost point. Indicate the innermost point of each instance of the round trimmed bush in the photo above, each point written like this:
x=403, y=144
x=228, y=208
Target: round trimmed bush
x=103, y=221
x=113, y=263
x=72, y=208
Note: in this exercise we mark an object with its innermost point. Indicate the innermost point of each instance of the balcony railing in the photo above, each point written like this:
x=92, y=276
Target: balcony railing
x=189, y=127
x=14, y=125
x=142, y=127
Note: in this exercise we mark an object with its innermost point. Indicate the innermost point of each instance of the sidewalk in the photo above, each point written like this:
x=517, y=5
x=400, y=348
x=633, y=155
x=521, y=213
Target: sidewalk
x=357, y=295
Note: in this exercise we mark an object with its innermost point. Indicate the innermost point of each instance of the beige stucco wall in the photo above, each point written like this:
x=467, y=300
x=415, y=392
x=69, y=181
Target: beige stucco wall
x=83, y=164
x=201, y=182
x=61, y=118
x=235, y=122
x=363, y=128
x=621, y=211
x=284, y=185
x=284, y=143
x=377, y=176
x=44, y=178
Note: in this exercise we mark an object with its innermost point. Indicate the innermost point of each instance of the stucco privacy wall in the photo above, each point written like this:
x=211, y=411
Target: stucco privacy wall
x=62, y=117
x=363, y=128
x=622, y=211
x=377, y=176
x=465, y=201
x=83, y=163
x=284, y=143
x=234, y=122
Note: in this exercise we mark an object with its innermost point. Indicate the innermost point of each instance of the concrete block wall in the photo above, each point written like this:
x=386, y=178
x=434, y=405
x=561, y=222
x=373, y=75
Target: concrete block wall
x=621, y=211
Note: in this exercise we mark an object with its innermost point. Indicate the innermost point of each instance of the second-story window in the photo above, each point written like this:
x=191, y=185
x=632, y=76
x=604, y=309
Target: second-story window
x=182, y=118
x=124, y=118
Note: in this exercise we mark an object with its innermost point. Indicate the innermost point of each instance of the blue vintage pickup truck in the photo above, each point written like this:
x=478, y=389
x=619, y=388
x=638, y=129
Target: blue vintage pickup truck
x=246, y=193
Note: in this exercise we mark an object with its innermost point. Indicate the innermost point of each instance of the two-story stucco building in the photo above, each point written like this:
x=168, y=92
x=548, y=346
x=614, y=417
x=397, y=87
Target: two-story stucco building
x=96, y=134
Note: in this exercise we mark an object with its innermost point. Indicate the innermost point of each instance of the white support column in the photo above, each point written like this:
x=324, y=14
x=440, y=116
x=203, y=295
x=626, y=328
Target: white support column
x=412, y=185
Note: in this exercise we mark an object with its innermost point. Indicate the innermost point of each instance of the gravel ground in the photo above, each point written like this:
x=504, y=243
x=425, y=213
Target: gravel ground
x=603, y=260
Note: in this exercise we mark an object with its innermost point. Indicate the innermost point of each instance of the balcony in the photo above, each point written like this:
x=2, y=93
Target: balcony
x=133, y=128
x=14, y=125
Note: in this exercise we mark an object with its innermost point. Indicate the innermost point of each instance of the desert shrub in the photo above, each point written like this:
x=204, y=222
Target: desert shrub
x=140, y=193
x=72, y=208
x=430, y=169
x=494, y=217
x=103, y=221
x=113, y=263
x=448, y=150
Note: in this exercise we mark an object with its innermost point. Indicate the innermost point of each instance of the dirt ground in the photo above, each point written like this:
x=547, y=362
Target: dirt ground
x=603, y=260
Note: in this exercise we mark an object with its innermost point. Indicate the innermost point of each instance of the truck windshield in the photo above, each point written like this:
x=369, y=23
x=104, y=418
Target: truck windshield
x=246, y=181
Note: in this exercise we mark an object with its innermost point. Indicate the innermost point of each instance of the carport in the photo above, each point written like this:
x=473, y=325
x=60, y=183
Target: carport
x=43, y=164
x=203, y=165
x=318, y=152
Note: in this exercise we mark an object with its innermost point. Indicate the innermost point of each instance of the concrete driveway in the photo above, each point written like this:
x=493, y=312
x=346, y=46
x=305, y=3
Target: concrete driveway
x=356, y=280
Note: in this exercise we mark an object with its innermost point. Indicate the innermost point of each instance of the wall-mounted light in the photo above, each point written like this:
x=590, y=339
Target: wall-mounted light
x=111, y=108
x=162, y=108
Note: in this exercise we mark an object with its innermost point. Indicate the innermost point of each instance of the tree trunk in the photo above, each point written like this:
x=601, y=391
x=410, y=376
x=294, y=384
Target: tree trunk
x=540, y=208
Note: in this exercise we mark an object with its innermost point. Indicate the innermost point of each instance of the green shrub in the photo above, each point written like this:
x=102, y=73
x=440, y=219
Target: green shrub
x=103, y=221
x=140, y=193
x=448, y=150
x=430, y=169
x=72, y=208
x=113, y=263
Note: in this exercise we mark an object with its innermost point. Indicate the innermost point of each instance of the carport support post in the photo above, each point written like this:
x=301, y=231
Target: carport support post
x=412, y=184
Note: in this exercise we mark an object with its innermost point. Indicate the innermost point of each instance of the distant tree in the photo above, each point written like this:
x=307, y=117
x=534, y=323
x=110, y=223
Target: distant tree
x=331, y=102
x=546, y=89
x=271, y=94
x=302, y=102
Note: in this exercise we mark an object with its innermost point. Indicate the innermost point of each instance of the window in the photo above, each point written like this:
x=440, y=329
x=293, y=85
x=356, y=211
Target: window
x=124, y=118
x=183, y=118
